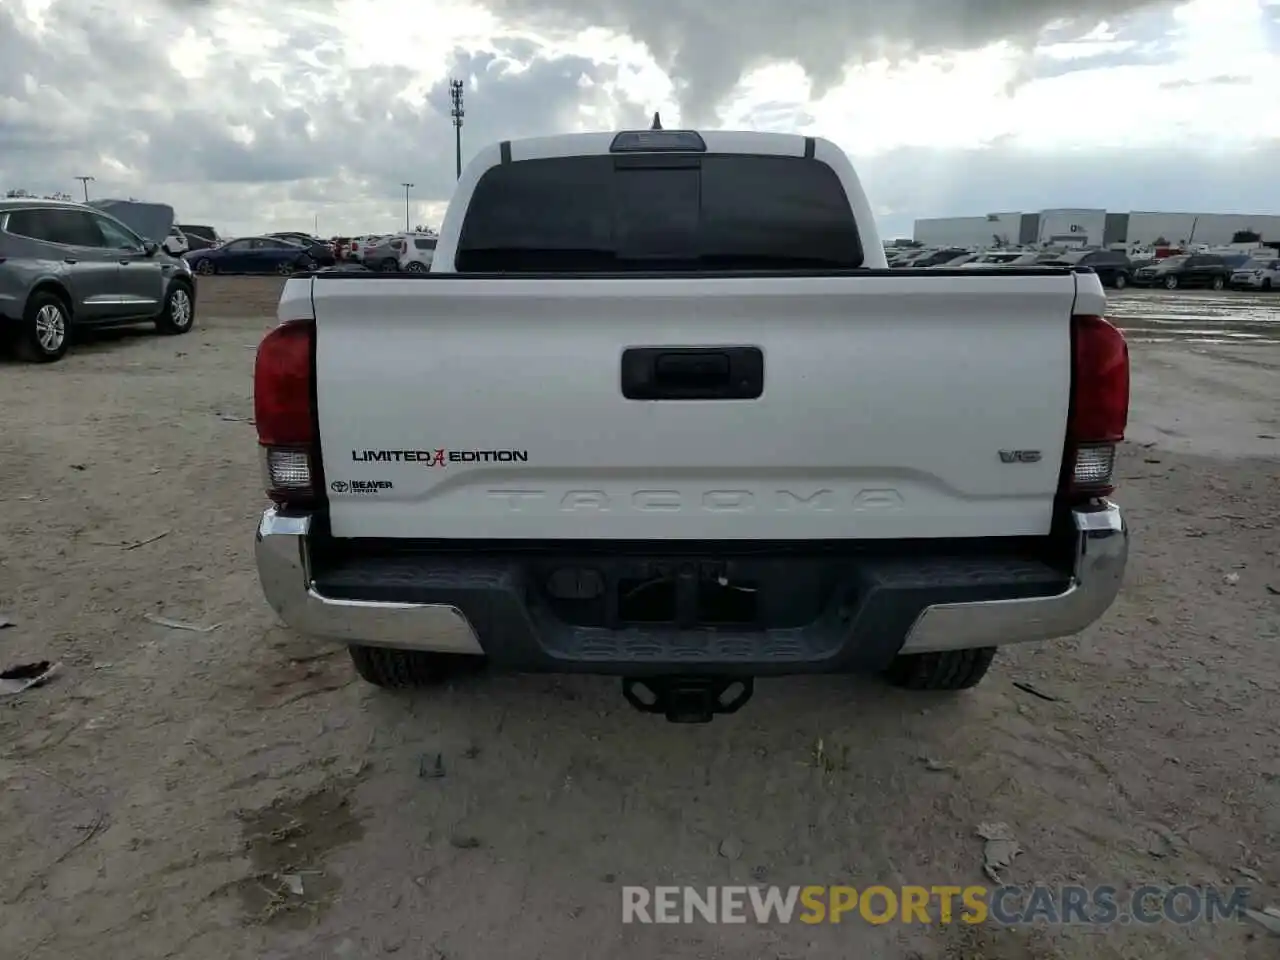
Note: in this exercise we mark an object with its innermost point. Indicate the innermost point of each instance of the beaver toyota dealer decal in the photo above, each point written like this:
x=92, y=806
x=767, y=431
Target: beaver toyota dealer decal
x=360, y=486
x=440, y=457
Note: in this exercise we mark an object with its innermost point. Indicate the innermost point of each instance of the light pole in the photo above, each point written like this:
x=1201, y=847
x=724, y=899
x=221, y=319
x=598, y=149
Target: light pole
x=85, y=181
x=457, y=113
x=407, y=188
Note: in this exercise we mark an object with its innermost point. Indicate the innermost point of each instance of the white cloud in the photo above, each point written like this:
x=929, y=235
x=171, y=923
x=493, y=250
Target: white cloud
x=252, y=115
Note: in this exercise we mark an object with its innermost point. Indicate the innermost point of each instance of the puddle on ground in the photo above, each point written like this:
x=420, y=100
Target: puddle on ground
x=1148, y=316
x=287, y=843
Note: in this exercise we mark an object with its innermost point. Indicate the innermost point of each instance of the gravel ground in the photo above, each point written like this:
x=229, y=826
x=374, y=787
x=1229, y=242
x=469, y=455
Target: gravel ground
x=156, y=788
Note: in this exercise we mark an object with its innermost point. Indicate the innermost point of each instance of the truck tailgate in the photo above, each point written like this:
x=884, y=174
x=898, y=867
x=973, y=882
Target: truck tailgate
x=892, y=407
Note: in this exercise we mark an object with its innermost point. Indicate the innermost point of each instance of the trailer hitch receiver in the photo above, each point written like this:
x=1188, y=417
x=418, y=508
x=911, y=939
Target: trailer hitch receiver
x=688, y=699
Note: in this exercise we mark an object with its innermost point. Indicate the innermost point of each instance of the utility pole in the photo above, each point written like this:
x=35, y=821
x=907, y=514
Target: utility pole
x=407, y=188
x=85, y=181
x=457, y=113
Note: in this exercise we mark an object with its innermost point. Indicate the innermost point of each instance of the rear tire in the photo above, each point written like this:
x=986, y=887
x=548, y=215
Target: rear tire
x=948, y=670
x=389, y=265
x=395, y=669
x=1171, y=283
x=413, y=266
x=1121, y=281
x=46, y=328
x=1217, y=283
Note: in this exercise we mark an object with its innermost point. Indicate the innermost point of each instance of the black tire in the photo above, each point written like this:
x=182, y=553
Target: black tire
x=1266, y=284
x=301, y=265
x=1171, y=283
x=38, y=340
x=1121, y=281
x=179, y=313
x=396, y=669
x=389, y=265
x=413, y=266
x=1217, y=283
x=206, y=267
x=951, y=670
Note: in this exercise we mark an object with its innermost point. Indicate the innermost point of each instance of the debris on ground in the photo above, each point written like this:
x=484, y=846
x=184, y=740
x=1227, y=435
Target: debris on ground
x=179, y=624
x=5, y=622
x=1028, y=688
x=1270, y=589
x=25, y=676
x=936, y=766
x=1231, y=579
x=293, y=883
x=998, y=851
x=464, y=842
x=1249, y=874
x=142, y=543
x=431, y=766
x=1167, y=842
x=1268, y=918
x=730, y=848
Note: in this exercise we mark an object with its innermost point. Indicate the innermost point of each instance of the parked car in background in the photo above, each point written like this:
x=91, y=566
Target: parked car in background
x=199, y=237
x=955, y=262
x=360, y=246
x=1185, y=270
x=935, y=259
x=1261, y=273
x=1002, y=258
x=418, y=255
x=66, y=267
x=176, y=243
x=1112, y=266
x=321, y=251
x=253, y=255
x=384, y=256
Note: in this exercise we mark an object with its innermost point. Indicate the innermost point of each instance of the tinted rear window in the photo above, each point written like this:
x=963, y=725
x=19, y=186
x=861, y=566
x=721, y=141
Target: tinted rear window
x=69, y=227
x=674, y=212
x=428, y=243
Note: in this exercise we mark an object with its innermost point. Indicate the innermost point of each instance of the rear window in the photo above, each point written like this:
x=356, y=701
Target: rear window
x=659, y=212
x=424, y=243
x=56, y=225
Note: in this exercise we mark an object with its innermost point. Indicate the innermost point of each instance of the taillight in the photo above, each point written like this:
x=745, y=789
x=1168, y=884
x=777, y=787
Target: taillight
x=284, y=413
x=1099, y=407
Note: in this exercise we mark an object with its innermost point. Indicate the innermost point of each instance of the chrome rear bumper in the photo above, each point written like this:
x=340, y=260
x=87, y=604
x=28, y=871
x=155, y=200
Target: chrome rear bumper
x=284, y=569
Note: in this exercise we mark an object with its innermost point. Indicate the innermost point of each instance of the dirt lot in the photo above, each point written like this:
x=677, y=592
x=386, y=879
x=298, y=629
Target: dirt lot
x=154, y=791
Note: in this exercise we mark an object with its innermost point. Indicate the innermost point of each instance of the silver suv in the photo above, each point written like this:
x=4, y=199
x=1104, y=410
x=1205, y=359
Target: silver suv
x=66, y=267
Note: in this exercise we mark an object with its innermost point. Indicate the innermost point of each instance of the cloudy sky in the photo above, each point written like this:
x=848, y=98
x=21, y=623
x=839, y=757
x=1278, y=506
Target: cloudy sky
x=254, y=115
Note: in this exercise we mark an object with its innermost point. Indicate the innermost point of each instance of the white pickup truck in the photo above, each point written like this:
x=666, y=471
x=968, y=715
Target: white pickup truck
x=660, y=411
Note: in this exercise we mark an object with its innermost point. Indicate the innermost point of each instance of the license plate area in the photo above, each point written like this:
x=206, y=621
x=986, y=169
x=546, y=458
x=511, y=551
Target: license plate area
x=684, y=593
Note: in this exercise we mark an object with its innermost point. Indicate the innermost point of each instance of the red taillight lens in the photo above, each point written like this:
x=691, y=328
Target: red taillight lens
x=1099, y=407
x=284, y=411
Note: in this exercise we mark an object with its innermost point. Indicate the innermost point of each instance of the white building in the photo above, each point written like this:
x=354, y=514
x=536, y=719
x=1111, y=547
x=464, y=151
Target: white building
x=995, y=229
x=1088, y=227
x=1069, y=227
x=1145, y=229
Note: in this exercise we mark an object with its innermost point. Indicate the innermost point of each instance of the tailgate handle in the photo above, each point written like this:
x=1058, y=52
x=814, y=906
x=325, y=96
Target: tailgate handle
x=692, y=373
x=691, y=369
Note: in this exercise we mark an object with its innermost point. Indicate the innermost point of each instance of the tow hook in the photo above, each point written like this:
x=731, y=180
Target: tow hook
x=688, y=699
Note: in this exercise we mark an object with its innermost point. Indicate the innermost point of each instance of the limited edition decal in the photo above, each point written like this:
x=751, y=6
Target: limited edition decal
x=440, y=457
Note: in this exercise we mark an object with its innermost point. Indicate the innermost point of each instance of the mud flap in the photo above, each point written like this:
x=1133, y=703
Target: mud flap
x=689, y=699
